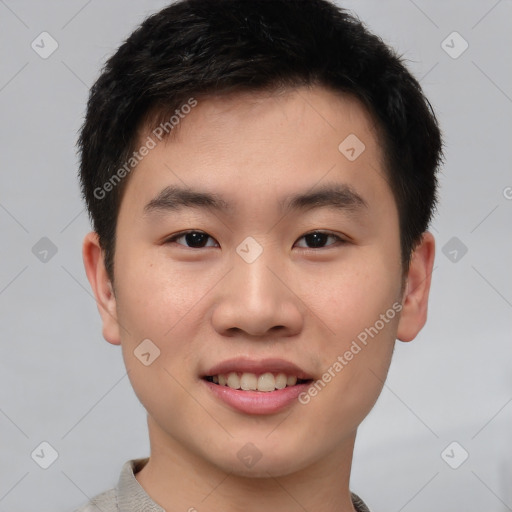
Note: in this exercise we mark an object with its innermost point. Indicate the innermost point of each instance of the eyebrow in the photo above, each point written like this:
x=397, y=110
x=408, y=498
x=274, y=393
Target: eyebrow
x=337, y=196
x=173, y=198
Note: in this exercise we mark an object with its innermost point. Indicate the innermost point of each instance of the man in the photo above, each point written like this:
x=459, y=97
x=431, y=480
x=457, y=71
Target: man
x=260, y=176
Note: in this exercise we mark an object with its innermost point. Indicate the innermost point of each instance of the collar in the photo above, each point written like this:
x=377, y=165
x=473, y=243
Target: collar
x=131, y=497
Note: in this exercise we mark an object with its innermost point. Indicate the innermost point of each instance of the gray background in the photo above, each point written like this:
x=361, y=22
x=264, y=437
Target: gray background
x=60, y=382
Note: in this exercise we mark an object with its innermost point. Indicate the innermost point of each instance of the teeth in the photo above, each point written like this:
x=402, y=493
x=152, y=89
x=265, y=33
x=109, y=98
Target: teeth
x=251, y=382
x=233, y=380
x=291, y=380
x=281, y=381
x=266, y=382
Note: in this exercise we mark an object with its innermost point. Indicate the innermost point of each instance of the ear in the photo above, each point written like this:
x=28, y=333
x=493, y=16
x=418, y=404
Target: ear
x=101, y=286
x=415, y=299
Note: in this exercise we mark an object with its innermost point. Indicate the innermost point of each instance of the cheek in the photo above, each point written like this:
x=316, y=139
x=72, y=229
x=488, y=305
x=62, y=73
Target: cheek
x=359, y=305
x=352, y=296
x=155, y=296
x=157, y=303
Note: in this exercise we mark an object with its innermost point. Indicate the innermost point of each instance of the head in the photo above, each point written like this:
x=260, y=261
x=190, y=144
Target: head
x=301, y=155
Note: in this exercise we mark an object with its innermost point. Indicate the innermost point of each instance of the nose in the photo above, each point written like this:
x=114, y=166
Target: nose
x=257, y=299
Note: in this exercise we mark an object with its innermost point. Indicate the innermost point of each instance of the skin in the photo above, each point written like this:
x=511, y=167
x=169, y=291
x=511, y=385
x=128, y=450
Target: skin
x=201, y=306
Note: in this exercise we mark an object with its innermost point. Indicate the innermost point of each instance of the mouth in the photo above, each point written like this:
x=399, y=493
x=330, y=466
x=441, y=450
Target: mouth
x=265, y=382
x=257, y=387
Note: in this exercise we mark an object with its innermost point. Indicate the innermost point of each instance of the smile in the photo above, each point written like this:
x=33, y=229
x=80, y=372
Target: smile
x=246, y=381
x=257, y=386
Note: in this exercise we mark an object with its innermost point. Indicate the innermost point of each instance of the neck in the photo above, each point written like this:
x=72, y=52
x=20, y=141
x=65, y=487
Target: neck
x=177, y=479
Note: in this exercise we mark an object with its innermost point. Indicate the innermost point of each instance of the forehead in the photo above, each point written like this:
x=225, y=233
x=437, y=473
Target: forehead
x=253, y=145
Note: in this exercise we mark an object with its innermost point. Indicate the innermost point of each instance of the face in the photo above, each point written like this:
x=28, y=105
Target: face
x=259, y=249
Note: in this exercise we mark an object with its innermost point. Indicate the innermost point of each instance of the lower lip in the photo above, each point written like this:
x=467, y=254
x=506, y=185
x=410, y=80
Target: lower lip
x=257, y=402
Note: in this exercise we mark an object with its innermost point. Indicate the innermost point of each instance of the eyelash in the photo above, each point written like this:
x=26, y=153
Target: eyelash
x=177, y=236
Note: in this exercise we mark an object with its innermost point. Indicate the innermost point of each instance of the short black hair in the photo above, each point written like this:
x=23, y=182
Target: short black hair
x=199, y=48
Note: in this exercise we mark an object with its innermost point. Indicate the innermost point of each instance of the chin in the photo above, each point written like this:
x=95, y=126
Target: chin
x=261, y=458
x=265, y=467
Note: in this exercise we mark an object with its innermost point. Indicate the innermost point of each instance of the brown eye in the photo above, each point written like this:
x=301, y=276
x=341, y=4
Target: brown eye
x=192, y=239
x=318, y=239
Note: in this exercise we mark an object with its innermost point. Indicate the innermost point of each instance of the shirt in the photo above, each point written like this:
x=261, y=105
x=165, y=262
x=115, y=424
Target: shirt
x=129, y=496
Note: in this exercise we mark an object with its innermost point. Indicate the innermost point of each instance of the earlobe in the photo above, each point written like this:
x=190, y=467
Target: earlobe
x=417, y=289
x=94, y=264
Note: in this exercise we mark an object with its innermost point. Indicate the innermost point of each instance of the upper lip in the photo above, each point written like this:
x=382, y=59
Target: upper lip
x=244, y=365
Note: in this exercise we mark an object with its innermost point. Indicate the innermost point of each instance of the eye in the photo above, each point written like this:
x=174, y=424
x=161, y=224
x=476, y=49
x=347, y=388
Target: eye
x=318, y=239
x=192, y=239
